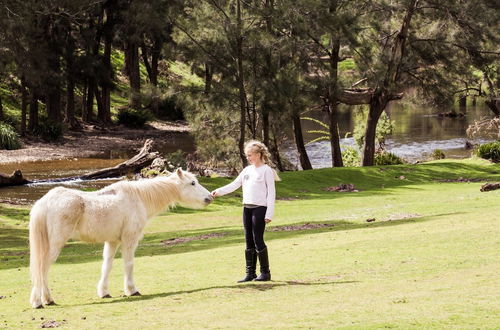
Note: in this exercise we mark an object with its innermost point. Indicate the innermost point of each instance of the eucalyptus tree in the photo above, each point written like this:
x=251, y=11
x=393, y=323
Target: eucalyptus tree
x=420, y=43
x=224, y=38
x=328, y=30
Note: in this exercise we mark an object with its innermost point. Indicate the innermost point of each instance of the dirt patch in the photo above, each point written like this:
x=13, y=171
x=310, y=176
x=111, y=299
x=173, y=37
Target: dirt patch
x=403, y=216
x=52, y=324
x=305, y=226
x=286, y=198
x=343, y=187
x=180, y=240
x=461, y=180
x=93, y=141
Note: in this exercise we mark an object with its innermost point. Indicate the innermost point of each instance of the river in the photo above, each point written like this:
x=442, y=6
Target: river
x=418, y=132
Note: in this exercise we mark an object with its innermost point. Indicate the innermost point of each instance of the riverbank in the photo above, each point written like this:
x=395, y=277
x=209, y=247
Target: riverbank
x=93, y=141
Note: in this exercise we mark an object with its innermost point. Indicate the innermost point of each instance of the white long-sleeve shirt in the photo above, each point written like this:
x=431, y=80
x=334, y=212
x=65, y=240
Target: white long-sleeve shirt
x=258, y=187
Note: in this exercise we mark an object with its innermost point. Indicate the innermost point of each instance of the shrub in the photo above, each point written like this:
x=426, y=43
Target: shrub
x=490, y=151
x=438, y=154
x=8, y=138
x=133, y=118
x=49, y=130
x=350, y=157
x=169, y=108
x=387, y=158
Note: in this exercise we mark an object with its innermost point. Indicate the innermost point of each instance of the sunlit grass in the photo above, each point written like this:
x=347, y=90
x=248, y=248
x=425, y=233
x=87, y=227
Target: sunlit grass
x=428, y=260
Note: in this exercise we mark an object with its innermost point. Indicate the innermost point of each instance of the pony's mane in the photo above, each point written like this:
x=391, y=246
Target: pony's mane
x=157, y=194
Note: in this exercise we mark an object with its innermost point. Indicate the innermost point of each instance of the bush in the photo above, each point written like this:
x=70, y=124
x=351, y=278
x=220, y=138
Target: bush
x=489, y=151
x=351, y=157
x=438, y=154
x=133, y=118
x=387, y=158
x=169, y=108
x=49, y=130
x=8, y=138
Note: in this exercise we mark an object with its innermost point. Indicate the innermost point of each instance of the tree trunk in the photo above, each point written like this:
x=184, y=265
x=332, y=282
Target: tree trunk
x=89, y=104
x=377, y=106
x=1, y=109
x=265, y=123
x=241, y=87
x=208, y=78
x=494, y=106
x=105, y=111
x=299, y=142
x=132, y=55
x=24, y=106
x=70, y=102
x=274, y=150
x=101, y=113
x=334, y=135
x=53, y=105
x=33, y=122
x=332, y=100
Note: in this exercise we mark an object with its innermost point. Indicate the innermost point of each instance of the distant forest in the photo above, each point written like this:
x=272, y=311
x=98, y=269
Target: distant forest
x=236, y=69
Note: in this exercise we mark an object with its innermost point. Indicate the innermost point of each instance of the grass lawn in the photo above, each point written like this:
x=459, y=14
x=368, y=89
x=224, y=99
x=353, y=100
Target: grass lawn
x=430, y=259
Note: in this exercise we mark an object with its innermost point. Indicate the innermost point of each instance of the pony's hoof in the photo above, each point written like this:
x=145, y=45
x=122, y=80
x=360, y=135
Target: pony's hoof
x=39, y=307
x=107, y=296
x=137, y=293
x=51, y=303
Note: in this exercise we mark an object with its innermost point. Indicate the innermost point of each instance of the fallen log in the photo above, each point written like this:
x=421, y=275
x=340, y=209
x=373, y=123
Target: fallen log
x=16, y=179
x=490, y=186
x=143, y=159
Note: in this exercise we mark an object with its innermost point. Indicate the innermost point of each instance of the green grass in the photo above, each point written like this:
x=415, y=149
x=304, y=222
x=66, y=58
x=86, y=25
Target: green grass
x=429, y=260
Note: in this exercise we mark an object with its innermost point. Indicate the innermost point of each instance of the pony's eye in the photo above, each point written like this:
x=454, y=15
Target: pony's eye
x=193, y=183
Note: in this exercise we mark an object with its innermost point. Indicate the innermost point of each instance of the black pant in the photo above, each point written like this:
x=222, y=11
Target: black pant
x=254, y=224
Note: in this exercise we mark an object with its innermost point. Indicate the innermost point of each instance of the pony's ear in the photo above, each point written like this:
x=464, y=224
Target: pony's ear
x=179, y=172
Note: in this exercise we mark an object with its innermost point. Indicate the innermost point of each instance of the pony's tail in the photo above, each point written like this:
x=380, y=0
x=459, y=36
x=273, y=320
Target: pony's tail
x=39, y=246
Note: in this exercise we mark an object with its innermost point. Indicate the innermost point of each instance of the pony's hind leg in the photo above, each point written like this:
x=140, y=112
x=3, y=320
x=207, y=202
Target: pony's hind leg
x=108, y=254
x=128, y=250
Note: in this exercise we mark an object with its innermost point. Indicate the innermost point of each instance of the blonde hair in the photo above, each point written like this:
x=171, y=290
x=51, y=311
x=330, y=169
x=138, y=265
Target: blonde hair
x=258, y=147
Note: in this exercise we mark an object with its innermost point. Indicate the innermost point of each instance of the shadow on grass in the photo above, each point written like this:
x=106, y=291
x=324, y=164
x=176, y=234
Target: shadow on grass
x=248, y=286
x=151, y=245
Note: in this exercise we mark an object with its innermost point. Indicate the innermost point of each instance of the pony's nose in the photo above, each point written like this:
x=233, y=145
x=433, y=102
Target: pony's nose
x=209, y=199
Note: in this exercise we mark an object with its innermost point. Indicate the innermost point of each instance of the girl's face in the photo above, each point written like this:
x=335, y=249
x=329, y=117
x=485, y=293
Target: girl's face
x=253, y=157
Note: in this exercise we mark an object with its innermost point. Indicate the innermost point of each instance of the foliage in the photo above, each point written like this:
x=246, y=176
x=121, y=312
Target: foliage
x=387, y=158
x=9, y=139
x=490, y=151
x=351, y=157
x=133, y=118
x=176, y=159
x=438, y=154
x=385, y=127
x=49, y=130
x=170, y=109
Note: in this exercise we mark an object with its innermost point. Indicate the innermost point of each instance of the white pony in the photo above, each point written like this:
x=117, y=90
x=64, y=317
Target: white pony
x=114, y=215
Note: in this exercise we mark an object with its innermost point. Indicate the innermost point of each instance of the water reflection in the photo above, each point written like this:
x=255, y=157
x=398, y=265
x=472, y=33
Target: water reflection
x=418, y=132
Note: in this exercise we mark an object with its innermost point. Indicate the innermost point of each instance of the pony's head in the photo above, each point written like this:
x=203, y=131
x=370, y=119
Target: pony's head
x=191, y=193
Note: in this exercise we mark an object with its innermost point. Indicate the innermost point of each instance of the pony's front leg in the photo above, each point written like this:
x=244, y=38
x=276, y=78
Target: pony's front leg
x=108, y=255
x=128, y=251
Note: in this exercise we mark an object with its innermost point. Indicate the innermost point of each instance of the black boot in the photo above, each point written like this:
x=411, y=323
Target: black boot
x=265, y=273
x=251, y=264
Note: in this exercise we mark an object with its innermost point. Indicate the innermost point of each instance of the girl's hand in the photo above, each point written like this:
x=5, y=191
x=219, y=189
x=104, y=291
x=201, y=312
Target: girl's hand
x=268, y=220
x=214, y=194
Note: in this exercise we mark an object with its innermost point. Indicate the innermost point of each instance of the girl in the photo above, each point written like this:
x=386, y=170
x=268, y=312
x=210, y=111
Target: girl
x=259, y=193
